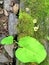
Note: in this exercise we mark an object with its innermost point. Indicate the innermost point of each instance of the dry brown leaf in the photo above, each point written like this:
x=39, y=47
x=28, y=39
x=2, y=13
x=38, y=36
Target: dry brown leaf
x=15, y=8
x=5, y=13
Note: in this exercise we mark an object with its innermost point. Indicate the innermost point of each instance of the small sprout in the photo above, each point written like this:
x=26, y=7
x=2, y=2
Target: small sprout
x=36, y=28
x=35, y=21
x=7, y=40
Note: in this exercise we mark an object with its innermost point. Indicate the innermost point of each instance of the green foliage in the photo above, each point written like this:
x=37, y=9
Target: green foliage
x=30, y=50
x=7, y=40
x=47, y=20
x=25, y=24
x=37, y=7
x=47, y=38
x=38, y=10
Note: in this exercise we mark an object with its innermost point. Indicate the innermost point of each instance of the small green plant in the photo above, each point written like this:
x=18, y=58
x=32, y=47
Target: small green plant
x=29, y=51
x=7, y=40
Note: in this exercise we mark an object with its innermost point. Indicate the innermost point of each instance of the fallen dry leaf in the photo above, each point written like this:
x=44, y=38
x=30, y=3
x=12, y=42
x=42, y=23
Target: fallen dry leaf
x=5, y=13
x=15, y=8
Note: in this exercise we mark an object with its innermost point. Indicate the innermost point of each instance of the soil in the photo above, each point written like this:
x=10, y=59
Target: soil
x=4, y=31
x=4, y=25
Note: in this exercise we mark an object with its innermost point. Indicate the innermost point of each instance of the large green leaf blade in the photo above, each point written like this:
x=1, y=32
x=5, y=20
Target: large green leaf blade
x=36, y=49
x=7, y=40
x=25, y=57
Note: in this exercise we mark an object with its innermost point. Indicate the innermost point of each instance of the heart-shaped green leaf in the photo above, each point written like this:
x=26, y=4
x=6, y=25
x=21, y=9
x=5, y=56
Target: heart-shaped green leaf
x=7, y=40
x=31, y=50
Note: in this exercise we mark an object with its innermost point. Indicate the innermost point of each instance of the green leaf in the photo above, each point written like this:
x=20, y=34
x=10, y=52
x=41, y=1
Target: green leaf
x=30, y=50
x=7, y=40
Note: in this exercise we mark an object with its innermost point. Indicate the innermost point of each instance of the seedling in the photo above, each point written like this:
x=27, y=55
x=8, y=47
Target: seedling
x=30, y=49
x=7, y=40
